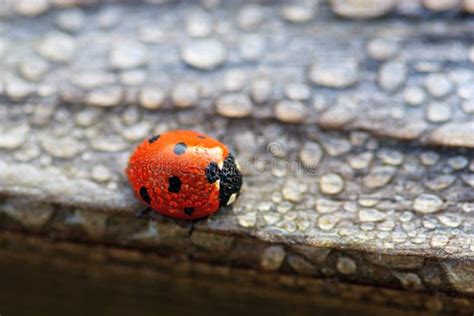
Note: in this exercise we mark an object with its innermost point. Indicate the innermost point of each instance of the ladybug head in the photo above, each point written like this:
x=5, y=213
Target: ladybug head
x=230, y=181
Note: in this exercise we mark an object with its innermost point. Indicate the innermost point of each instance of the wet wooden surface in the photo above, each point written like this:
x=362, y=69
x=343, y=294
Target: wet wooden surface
x=355, y=136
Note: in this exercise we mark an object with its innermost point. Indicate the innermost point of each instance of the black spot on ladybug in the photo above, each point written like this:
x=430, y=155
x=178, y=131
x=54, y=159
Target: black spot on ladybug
x=145, y=196
x=201, y=136
x=189, y=211
x=212, y=172
x=174, y=184
x=153, y=139
x=230, y=180
x=180, y=148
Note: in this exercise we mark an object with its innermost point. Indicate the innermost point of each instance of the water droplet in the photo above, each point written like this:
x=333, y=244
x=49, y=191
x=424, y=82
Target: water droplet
x=430, y=223
x=100, y=173
x=427, y=203
x=429, y=158
x=277, y=197
x=327, y=206
x=337, y=146
x=271, y=218
x=288, y=226
x=292, y=191
x=265, y=206
x=360, y=161
x=331, y=183
x=371, y=215
x=367, y=226
x=346, y=265
x=468, y=179
x=414, y=96
x=327, y=221
x=379, y=176
x=284, y=207
x=13, y=137
x=440, y=183
x=390, y=157
x=367, y=202
x=409, y=280
x=437, y=112
x=311, y=155
x=458, y=162
x=301, y=265
x=399, y=237
x=439, y=240
x=386, y=226
x=450, y=219
x=272, y=258
x=409, y=227
x=248, y=220
x=405, y=217
x=419, y=239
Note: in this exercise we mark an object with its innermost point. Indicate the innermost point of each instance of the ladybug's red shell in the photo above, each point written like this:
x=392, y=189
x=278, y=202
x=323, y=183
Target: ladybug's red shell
x=184, y=174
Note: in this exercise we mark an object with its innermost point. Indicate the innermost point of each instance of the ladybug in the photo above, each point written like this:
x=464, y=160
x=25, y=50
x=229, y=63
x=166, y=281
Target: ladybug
x=184, y=174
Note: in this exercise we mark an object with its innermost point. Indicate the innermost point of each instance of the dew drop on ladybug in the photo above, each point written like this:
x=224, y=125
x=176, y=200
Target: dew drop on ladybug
x=184, y=174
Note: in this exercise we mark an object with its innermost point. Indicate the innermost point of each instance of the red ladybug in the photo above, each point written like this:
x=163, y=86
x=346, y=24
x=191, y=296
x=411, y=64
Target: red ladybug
x=184, y=174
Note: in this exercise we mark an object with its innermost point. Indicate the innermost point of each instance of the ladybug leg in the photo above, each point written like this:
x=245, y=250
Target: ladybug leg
x=191, y=229
x=193, y=224
x=143, y=213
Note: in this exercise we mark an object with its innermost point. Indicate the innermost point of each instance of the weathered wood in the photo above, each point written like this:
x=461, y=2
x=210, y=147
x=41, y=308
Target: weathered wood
x=355, y=137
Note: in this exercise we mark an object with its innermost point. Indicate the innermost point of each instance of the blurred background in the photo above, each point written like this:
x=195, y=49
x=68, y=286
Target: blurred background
x=353, y=121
